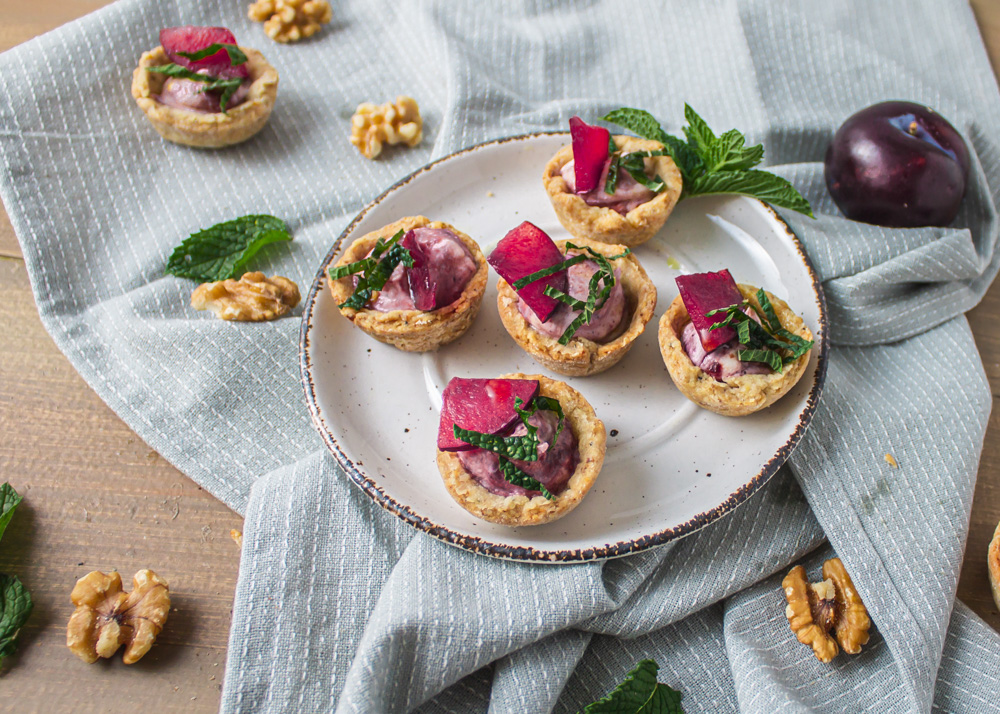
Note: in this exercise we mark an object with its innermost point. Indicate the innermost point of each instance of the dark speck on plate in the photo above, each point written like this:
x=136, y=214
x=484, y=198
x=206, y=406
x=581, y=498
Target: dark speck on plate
x=708, y=475
x=406, y=431
x=614, y=432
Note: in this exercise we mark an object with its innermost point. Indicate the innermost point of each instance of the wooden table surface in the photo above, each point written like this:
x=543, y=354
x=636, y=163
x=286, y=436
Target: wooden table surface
x=97, y=497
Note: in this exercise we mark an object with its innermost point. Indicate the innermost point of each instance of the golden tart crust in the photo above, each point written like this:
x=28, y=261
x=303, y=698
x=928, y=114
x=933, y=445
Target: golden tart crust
x=993, y=565
x=414, y=330
x=521, y=510
x=606, y=225
x=583, y=357
x=740, y=395
x=207, y=131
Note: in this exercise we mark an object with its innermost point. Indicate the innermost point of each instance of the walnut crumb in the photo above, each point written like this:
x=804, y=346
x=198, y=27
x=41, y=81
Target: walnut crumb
x=252, y=298
x=290, y=20
x=891, y=460
x=814, y=609
x=236, y=536
x=373, y=126
x=107, y=618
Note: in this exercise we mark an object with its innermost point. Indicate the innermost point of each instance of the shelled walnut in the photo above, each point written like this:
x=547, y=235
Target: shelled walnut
x=290, y=20
x=106, y=618
x=373, y=126
x=252, y=298
x=814, y=609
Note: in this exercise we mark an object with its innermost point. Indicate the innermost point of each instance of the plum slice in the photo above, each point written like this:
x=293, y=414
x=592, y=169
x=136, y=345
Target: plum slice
x=704, y=292
x=190, y=39
x=590, y=153
x=483, y=405
x=526, y=250
x=423, y=286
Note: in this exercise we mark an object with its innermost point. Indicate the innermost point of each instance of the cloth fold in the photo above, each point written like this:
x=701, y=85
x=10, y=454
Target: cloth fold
x=340, y=606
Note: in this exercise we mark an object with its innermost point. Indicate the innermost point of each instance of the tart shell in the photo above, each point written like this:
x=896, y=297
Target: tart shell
x=606, y=225
x=414, y=330
x=583, y=357
x=206, y=131
x=740, y=395
x=522, y=510
x=993, y=564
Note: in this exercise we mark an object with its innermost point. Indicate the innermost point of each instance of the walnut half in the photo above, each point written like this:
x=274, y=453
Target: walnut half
x=816, y=608
x=106, y=618
x=252, y=298
x=290, y=20
x=373, y=126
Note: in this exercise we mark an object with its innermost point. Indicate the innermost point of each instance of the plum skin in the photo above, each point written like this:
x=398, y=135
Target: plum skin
x=897, y=164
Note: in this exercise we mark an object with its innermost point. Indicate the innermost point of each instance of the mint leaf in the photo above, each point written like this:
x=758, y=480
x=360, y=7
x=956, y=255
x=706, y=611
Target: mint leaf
x=729, y=154
x=767, y=341
x=756, y=184
x=512, y=474
x=522, y=448
x=8, y=502
x=236, y=56
x=638, y=121
x=223, y=251
x=700, y=137
x=640, y=693
x=375, y=269
x=228, y=86
x=15, y=606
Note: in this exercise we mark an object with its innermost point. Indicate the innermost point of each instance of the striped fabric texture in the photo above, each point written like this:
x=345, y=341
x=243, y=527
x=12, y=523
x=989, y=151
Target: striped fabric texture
x=339, y=606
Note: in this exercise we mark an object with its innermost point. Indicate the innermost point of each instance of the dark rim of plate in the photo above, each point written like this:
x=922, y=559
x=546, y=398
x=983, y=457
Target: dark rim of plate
x=523, y=553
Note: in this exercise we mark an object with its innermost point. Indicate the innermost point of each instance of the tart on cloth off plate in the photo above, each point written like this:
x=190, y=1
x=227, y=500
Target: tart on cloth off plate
x=711, y=364
x=568, y=452
x=544, y=327
x=427, y=298
x=577, y=177
x=204, y=113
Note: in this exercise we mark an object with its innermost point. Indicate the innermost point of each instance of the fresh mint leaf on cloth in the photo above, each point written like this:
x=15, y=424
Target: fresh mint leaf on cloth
x=640, y=693
x=714, y=164
x=223, y=251
x=15, y=606
x=8, y=502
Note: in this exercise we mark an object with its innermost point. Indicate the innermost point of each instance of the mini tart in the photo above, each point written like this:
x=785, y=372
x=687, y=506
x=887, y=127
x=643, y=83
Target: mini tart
x=606, y=225
x=414, y=330
x=207, y=131
x=993, y=563
x=521, y=510
x=740, y=395
x=583, y=357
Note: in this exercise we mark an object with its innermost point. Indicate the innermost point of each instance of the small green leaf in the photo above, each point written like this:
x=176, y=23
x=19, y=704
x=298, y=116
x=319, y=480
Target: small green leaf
x=756, y=184
x=729, y=154
x=223, y=251
x=638, y=121
x=9, y=500
x=236, y=56
x=375, y=270
x=513, y=475
x=699, y=135
x=228, y=86
x=15, y=607
x=521, y=448
x=640, y=693
x=611, y=182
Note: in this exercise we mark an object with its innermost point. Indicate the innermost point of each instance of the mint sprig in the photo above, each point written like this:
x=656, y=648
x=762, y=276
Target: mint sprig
x=520, y=448
x=236, y=55
x=640, y=693
x=228, y=86
x=375, y=270
x=15, y=601
x=711, y=164
x=223, y=250
x=768, y=341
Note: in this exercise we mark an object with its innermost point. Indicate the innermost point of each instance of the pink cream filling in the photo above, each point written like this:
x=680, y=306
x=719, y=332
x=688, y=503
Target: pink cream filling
x=605, y=322
x=186, y=94
x=628, y=194
x=451, y=268
x=556, y=462
x=721, y=363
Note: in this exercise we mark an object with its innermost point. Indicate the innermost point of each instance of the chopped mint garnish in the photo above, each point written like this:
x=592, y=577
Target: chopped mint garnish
x=520, y=448
x=223, y=251
x=766, y=342
x=236, y=56
x=640, y=693
x=597, y=296
x=375, y=270
x=228, y=86
x=15, y=601
x=711, y=164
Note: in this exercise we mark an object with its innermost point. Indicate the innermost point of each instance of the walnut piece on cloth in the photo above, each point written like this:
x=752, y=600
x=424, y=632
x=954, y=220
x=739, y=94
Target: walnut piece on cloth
x=290, y=20
x=816, y=608
x=107, y=618
x=252, y=298
x=373, y=126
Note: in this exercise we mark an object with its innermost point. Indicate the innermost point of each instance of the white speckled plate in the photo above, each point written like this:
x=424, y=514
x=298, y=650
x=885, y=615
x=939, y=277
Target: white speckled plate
x=671, y=467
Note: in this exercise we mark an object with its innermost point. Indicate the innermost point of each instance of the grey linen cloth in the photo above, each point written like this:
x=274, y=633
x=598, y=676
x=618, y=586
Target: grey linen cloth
x=340, y=606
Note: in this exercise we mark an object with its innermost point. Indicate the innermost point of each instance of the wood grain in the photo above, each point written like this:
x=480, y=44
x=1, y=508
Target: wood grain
x=96, y=497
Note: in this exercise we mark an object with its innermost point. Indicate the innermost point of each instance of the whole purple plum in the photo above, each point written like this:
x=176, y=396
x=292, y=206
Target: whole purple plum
x=897, y=164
